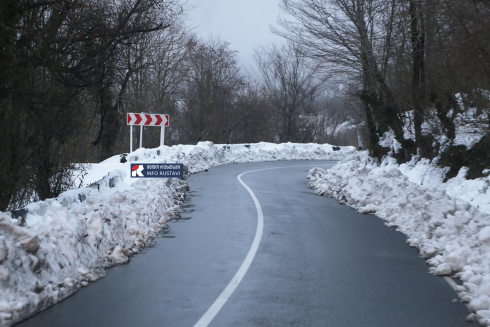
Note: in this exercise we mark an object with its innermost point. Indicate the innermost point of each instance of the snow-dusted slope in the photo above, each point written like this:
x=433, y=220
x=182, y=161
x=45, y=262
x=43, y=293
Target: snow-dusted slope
x=448, y=222
x=68, y=241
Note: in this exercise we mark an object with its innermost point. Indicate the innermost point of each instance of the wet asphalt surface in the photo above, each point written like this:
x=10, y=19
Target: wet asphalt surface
x=319, y=264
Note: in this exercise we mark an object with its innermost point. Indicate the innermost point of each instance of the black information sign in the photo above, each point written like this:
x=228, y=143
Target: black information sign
x=171, y=170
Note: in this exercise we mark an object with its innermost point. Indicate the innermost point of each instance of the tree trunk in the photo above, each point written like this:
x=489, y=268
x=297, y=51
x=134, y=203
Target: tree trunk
x=418, y=76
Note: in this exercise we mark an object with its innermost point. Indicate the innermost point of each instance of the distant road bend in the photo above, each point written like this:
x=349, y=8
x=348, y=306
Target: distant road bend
x=313, y=262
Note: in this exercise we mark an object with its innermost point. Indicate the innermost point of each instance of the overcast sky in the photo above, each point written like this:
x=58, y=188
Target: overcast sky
x=243, y=23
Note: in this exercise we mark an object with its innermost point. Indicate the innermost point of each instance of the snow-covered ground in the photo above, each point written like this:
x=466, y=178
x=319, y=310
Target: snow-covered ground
x=448, y=222
x=66, y=242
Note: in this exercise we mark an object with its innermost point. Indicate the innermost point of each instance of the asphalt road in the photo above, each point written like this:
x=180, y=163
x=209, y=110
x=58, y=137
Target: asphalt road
x=318, y=264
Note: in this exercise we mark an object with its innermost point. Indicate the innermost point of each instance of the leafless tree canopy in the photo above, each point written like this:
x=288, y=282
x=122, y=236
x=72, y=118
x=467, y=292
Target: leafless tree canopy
x=70, y=71
x=65, y=66
x=405, y=59
x=292, y=82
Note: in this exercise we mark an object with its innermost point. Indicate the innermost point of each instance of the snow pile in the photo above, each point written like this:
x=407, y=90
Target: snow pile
x=205, y=155
x=450, y=233
x=66, y=242
x=429, y=176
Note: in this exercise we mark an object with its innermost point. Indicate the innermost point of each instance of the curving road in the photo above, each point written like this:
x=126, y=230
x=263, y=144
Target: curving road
x=318, y=264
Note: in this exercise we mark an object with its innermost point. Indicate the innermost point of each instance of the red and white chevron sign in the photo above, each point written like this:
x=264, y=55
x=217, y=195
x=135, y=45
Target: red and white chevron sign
x=147, y=119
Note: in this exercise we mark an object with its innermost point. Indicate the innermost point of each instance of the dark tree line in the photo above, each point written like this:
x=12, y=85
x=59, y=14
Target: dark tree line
x=60, y=64
x=71, y=69
x=405, y=58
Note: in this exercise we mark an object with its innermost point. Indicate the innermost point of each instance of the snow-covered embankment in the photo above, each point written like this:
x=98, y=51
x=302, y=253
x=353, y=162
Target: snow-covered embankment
x=67, y=242
x=448, y=222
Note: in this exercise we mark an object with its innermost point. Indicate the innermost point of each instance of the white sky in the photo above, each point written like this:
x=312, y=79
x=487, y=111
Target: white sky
x=243, y=23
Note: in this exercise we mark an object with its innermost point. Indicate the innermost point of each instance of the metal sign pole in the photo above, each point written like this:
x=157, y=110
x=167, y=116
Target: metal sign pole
x=141, y=136
x=131, y=139
x=162, y=135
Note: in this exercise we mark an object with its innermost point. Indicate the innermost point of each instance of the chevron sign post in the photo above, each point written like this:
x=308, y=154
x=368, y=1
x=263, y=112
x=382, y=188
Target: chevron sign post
x=144, y=119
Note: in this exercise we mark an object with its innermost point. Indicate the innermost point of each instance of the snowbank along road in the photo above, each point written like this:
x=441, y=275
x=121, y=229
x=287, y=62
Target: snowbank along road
x=66, y=242
x=312, y=263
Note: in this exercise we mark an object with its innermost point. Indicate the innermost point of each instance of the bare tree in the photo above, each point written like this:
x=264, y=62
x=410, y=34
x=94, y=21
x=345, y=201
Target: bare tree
x=209, y=92
x=155, y=71
x=410, y=61
x=292, y=82
x=355, y=37
x=59, y=64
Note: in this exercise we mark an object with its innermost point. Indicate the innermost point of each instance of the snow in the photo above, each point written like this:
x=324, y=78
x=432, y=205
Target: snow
x=388, y=140
x=344, y=127
x=429, y=176
x=471, y=126
x=449, y=223
x=67, y=242
x=206, y=154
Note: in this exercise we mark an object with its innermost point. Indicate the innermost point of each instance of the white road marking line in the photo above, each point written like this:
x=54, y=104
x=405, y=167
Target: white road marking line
x=230, y=288
x=451, y=282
